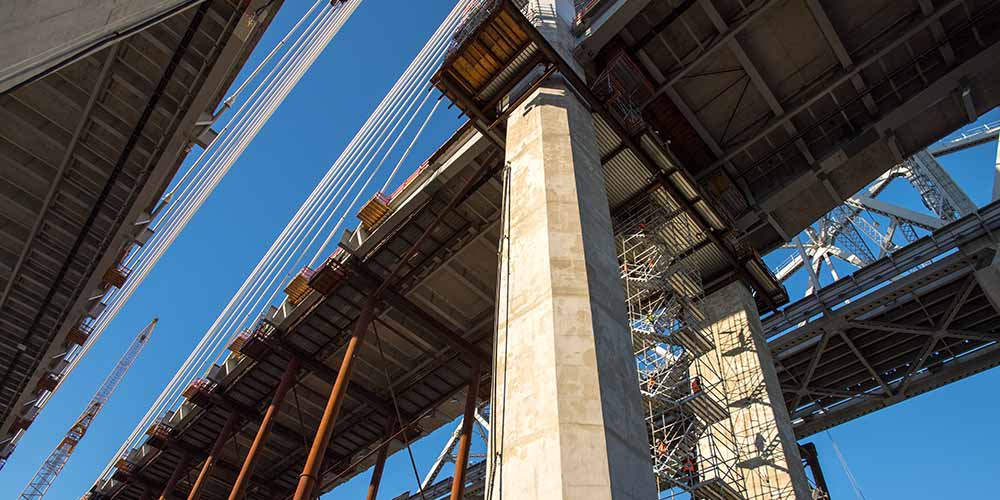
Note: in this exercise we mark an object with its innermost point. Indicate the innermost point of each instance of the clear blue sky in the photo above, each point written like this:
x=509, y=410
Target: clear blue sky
x=931, y=447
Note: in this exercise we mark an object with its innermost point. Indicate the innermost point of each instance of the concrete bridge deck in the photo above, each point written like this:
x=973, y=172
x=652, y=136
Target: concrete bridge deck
x=86, y=151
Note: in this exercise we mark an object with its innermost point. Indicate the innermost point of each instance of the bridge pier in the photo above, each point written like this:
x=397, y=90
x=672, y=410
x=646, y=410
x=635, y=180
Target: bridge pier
x=768, y=454
x=566, y=410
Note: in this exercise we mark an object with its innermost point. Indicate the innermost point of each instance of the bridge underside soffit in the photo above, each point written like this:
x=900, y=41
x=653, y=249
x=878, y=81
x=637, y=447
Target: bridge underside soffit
x=781, y=110
x=86, y=151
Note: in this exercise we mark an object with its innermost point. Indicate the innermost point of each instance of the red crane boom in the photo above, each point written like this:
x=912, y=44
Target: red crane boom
x=54, y=464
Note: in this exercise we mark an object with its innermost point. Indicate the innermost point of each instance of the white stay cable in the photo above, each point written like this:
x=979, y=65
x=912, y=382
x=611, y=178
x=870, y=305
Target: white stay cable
x=321, y=31
x=160, y=401
x=141, y=261
x=208, y=340
x=189, y=361
x=311, y=220
x=379, y=131
x=228, y=102
x=409, y=148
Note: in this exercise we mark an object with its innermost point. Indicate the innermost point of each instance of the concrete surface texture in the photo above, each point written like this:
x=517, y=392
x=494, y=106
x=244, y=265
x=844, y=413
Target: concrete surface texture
x=566, y=407
x=768, y=453
x=36, y=34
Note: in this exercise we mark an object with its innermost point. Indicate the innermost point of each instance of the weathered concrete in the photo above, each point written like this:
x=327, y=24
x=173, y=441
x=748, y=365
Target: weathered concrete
x=37, y=34
x=566, y=414
x=768, y=453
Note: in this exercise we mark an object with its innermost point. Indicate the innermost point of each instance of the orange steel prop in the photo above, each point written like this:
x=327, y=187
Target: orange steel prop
x=465, y=441
x=213, y=455
x=310, y=473
x=287, y=379
x=182, y=466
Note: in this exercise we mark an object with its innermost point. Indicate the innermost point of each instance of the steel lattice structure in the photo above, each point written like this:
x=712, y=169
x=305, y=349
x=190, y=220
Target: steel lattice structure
x=54, y=464
x=866, y=228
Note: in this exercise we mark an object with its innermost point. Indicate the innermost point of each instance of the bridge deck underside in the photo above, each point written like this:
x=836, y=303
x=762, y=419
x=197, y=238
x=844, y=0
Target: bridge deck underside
x=452, y=281
x=784, y=109
x=445, y=291
x=790, y=114
x=83, y=152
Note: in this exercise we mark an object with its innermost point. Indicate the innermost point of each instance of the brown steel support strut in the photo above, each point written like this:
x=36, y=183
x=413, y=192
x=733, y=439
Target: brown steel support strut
x=175, y=477
x=287, y=379
x=309, y=477
x=213, y=455
x=383, y=453
x=465, y=441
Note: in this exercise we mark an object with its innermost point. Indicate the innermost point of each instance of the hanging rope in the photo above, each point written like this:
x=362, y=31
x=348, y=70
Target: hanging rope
x=395, y=406
x=847, y=470
x=495, y=456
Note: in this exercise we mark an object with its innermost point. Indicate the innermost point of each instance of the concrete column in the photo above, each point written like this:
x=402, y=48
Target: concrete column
x=566, y=411
x=768, y=452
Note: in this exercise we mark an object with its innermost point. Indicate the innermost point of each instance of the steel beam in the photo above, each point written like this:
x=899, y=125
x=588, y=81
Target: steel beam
x=213, y=455
x=246, y=472
x=462, y=457
x=310, y=473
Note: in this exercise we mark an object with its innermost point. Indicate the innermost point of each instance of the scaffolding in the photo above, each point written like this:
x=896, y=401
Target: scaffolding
x=692, y=443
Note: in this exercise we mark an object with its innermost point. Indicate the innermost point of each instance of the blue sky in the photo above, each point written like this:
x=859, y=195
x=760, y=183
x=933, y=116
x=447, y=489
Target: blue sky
x=917, y=449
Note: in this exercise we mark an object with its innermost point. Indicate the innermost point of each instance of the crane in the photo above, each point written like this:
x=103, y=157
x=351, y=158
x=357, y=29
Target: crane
x=54, y=464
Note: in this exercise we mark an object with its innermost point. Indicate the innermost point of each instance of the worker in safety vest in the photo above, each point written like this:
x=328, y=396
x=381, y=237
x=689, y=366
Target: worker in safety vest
x=690, y=471
x=661, y=448
x=695, y=385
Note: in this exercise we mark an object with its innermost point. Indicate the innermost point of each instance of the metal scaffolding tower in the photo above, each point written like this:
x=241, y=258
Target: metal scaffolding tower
x=54, y=464
x=692, y=442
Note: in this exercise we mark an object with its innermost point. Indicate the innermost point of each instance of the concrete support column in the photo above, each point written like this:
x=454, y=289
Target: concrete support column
x=768, y=452
x=566, y=414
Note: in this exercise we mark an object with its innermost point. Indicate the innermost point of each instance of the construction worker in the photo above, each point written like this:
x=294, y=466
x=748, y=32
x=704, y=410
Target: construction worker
x=661, y=448
x=689, y=471
x=695, y=385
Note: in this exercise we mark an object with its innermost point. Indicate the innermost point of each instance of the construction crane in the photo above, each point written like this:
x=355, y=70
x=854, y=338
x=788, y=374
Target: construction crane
x=54, y=464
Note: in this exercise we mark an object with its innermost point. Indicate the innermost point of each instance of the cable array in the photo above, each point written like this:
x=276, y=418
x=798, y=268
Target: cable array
x=306, y=238
x=304, y=42
x=189, y=192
